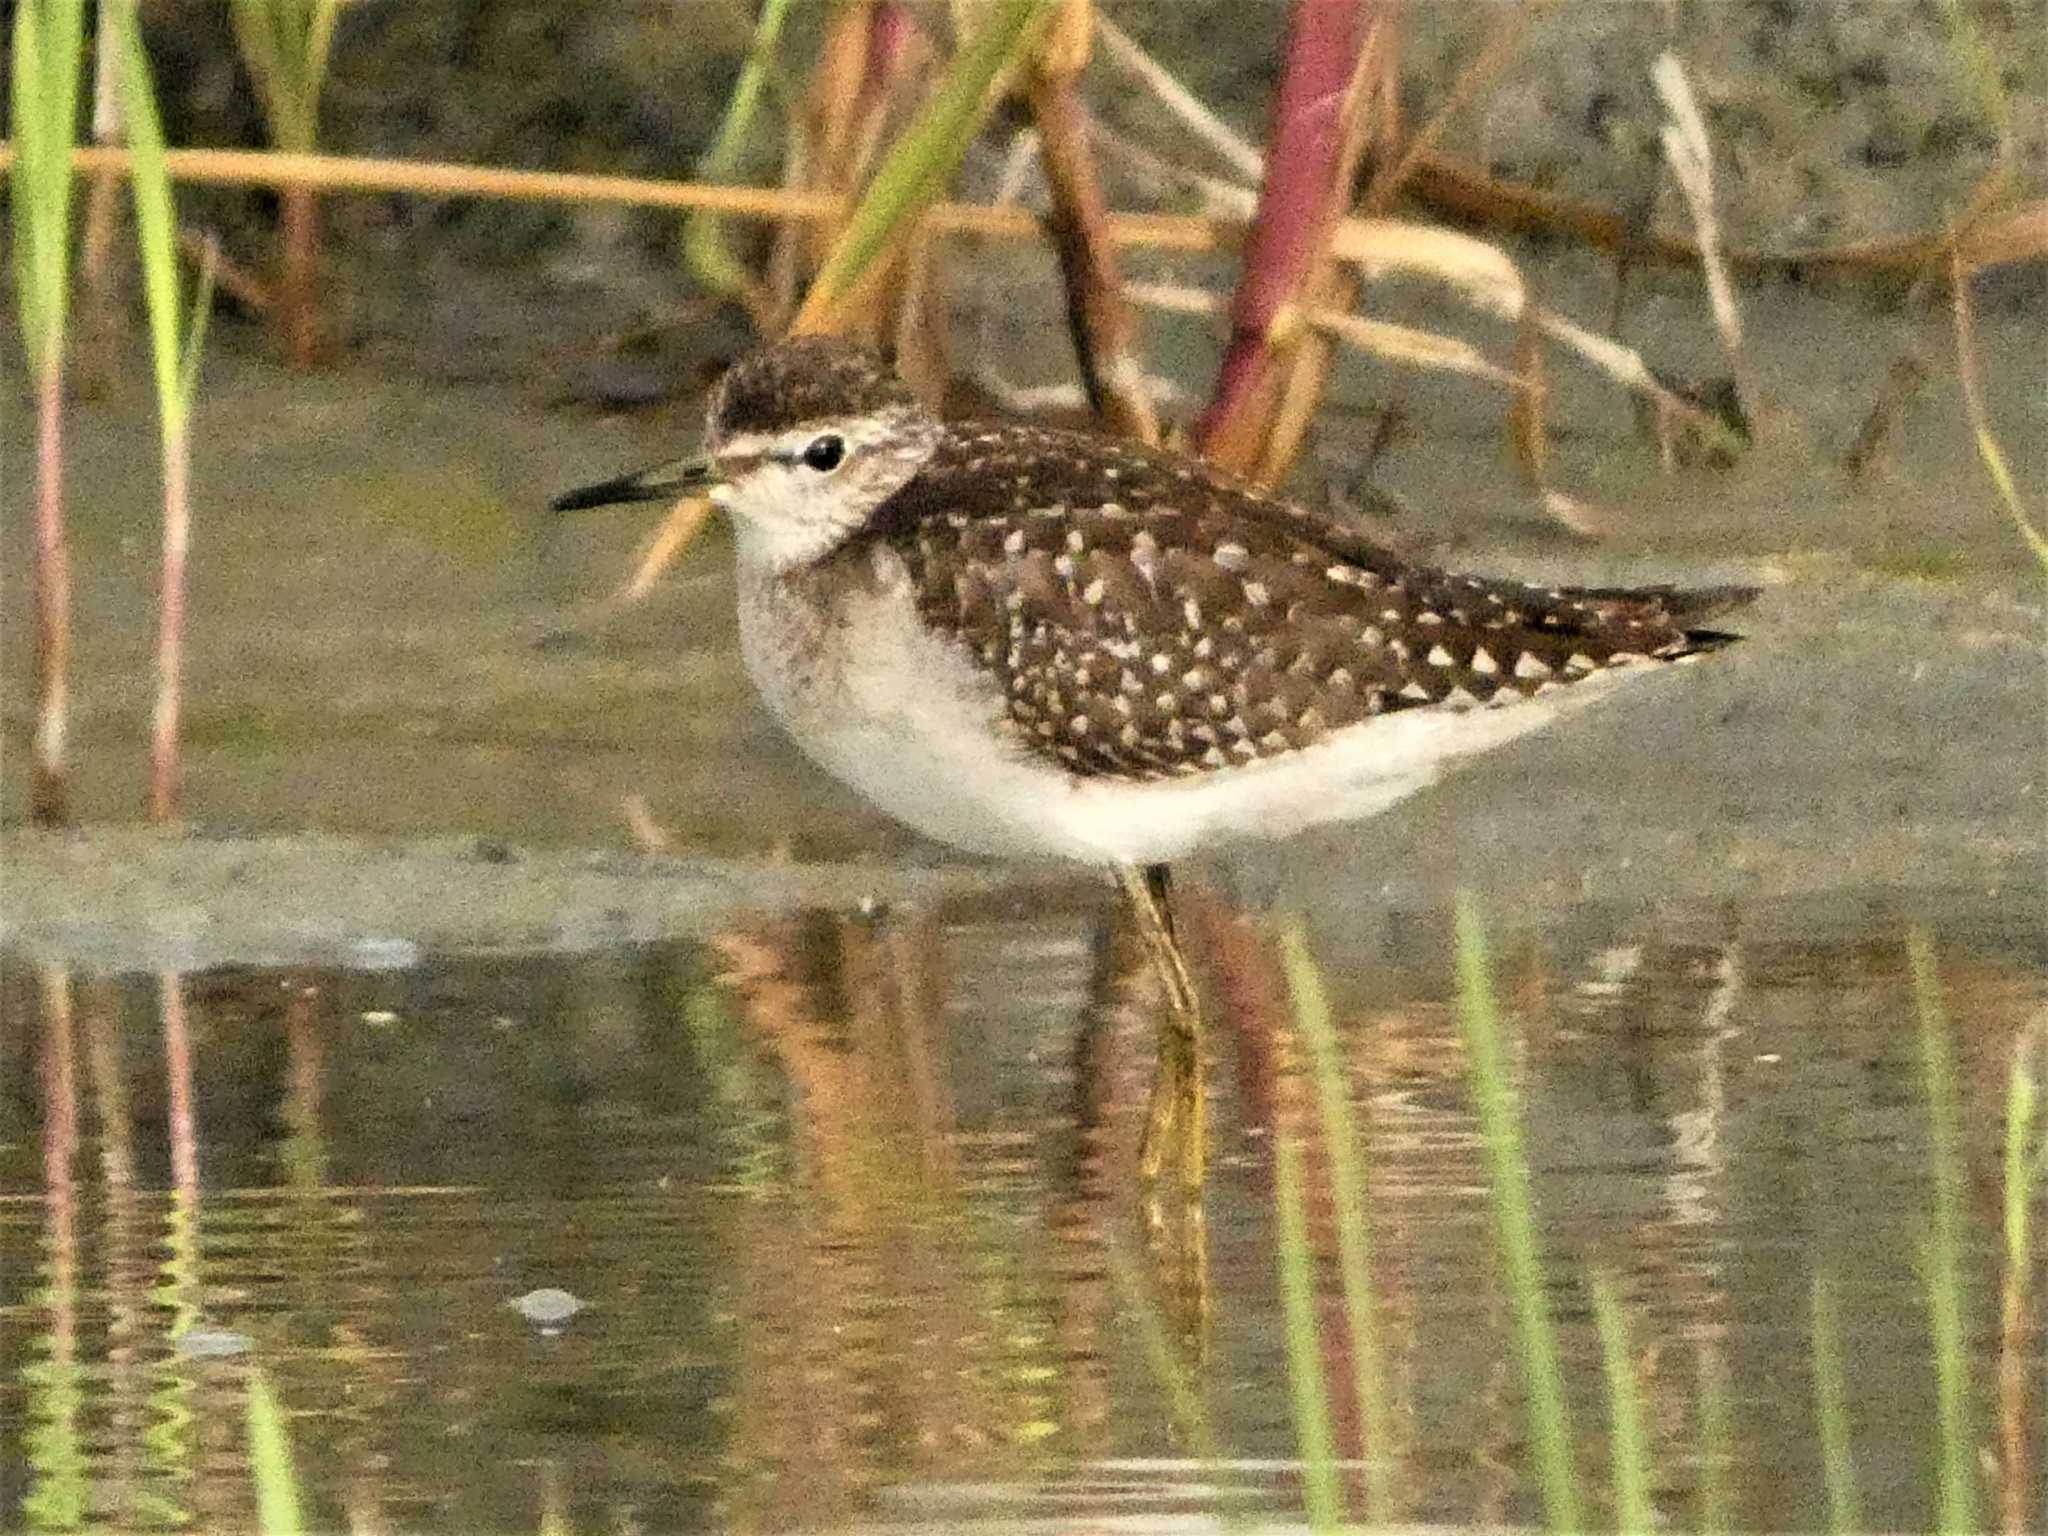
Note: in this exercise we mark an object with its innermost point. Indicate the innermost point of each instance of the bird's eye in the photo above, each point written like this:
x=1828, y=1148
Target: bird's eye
x=824, y=453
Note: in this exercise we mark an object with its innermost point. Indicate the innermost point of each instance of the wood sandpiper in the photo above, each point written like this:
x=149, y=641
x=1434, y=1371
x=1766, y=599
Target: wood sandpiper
x=1030, y=642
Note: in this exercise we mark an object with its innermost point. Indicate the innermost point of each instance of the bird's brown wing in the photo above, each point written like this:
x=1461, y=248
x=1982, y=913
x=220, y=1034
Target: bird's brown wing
x=1146, y=618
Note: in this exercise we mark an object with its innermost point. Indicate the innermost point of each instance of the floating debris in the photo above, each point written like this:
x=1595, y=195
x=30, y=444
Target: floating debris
x=548, y=1309
x=212, y=1344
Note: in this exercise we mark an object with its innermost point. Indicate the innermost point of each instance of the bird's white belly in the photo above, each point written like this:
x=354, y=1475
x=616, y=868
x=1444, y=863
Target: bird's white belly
x=880, y=703
x=906, y=718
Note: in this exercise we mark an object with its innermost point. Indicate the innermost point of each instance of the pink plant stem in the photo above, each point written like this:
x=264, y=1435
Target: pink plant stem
x=1296, y=203
x=59, y=1281
x=170, y=627
x=892, y=29
x=49, y=796
x=183, y=1127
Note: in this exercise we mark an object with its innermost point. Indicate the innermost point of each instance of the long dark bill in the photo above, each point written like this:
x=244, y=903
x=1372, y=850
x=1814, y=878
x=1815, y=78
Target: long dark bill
x=661, y=482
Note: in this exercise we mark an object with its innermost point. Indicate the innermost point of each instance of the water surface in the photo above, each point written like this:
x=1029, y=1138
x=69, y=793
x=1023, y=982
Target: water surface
x=844, y=1210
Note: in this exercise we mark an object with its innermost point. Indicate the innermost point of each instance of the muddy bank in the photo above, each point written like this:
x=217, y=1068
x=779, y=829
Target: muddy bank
x=134, y=900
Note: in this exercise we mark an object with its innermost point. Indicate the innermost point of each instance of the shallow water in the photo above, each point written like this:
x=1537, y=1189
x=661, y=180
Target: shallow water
x=845, y=1207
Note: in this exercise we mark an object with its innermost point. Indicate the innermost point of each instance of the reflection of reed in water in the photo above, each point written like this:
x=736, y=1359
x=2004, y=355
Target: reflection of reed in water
x=337, y=1375
x=128, y=1497
x=58, y=1491
x=197, y=1406
x=171, y=1451
x=902, y=1275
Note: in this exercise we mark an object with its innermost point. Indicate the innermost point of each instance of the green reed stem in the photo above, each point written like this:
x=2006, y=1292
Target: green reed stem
x=43, y=78
x=1831, y=1403
x=1630, y=1451
x=1514, y=1227
x=285, y=44
x=1716, y=1505
x=175, y=339
x=270, y=1461
x=1942, y=1247
x=2024, y=1156
x=48, y=56
x=176, y=346
x=2024, y=1161
x=1354, y=1232
x=705, y=252
x=1320, y=1488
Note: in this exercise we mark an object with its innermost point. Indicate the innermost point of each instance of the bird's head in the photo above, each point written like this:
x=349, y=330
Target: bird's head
x=803, y=440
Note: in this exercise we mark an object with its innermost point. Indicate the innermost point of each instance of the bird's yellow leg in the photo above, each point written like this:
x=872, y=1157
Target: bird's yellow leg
x=1178, y=1111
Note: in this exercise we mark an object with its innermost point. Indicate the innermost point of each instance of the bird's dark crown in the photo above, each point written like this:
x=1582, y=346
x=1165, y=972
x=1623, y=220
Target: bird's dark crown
x=811, y=378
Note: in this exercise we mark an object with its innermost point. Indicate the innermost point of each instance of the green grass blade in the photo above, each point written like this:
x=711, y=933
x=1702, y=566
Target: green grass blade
x=1956, y=1471
x=25, y=82
x=915, y=169
x=1717, y=1513
x=1514, y=1226
x=1321, y=1493
x=195, y=332
x=255, y=29
x=1942, y=1249
x=319, y=44
x=155, y=218
x=2009, y=496
x=1354, y=1232
x=2021, y=1162
x=285, y=44
x=61, y=61
x=48, y=56
x=1630, y=1454
x=1831, y=1403
x=1981, y=64
x=705, y=252
x=270, y=1462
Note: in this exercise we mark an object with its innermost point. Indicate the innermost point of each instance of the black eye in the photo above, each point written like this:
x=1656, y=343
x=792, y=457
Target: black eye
x=824, y=453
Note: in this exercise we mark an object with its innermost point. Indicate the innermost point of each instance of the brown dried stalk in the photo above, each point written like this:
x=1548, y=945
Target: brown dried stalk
x=202, y=248
x=1447, y=184
x=1100, y=319
x=1405, y=344
x=873, y=51
x=831, y=109
x=1439, y=180
x=1691, y=161
x=1480, y=274
x=1902, y=380
x=919, y=334
x=302, y=330
x=1527, y=434
x=1243, y=156
x=1499, y=47
x=1909, y=365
